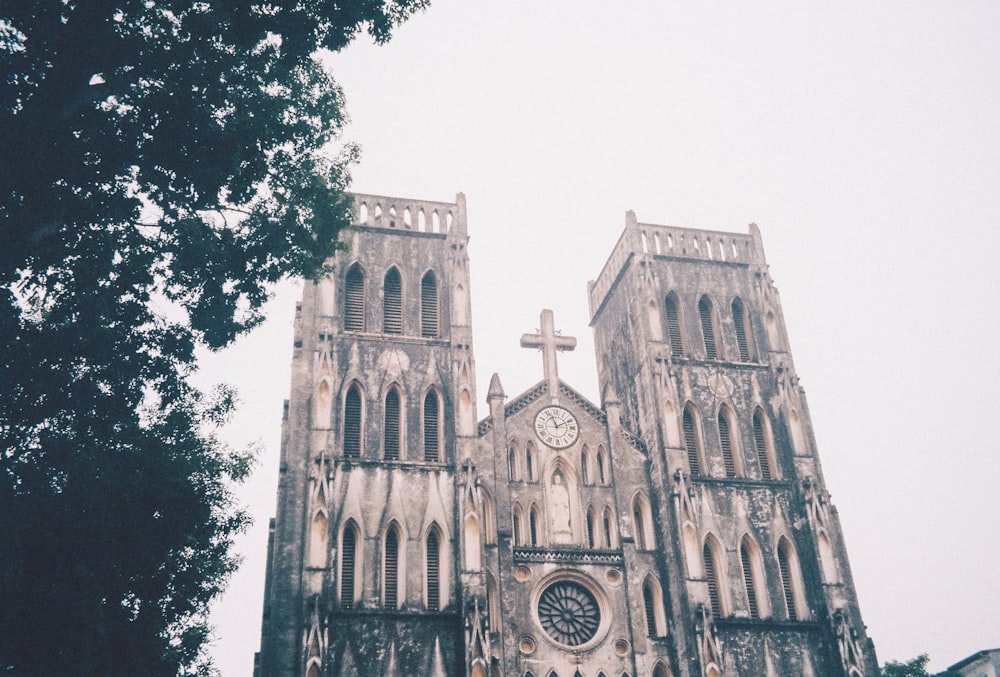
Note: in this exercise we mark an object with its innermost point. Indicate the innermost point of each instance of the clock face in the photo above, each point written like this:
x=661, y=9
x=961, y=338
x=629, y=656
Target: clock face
x=556, y=427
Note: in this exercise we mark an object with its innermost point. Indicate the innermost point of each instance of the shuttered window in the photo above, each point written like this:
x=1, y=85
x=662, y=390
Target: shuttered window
x=673, y=327
x=348, y=553
x=354, y=300
x=390, y=430
x=711, y=577
x=352, y=423
x=533, y=526
x=433, y=571
x=748, y=581
x=726, y=442
x=392, y=303
x=429, y=327
x=432, y=428
x=639, y=526
x=691, y=443
x=760, y=441
x=707, y=327
x=786, y=580
x=740, y=324
x=391, y=579
x=649, y=602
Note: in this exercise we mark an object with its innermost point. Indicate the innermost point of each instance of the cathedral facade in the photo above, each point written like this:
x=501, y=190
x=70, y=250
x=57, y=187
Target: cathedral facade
x=680, y=527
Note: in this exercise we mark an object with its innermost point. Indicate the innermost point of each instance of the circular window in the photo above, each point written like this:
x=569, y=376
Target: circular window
x=569, y=613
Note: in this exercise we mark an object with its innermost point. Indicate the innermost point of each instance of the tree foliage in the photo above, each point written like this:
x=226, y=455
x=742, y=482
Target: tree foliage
x=161, y=163
x=916, y=667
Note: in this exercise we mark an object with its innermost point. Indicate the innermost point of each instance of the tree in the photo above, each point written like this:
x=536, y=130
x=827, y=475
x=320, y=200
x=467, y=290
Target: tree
x=916, y=667
x=162, y=162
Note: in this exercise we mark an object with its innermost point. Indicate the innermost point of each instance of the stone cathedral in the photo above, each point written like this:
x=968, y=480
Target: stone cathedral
x=681, y=527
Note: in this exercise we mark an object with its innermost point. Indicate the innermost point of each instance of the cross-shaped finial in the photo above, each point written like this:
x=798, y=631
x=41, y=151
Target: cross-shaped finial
x=549, y=341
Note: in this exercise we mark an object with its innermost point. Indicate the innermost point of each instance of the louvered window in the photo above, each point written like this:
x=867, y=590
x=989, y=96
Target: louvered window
x=392, y=303
x=391, y=569
x=674, y=327
x=739, y=323
x=352, y=423
x=429, y=306
x=760, y=441
x=707, y=327
x=711, y=577
x=432, y=428
x=433, y=571
x=348, y=552
x=640, y=527
x=390, y=431
x=354, y=300
x=649, y=601
x=533, y=526
x=726, y=441
x=748, y=581
x=786, y=581
x=691, y=444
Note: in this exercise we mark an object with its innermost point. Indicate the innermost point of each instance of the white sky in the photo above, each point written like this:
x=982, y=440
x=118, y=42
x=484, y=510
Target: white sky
x=864, y=140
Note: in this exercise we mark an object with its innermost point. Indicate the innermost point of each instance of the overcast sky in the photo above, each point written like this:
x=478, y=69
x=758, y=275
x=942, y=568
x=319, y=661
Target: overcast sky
x=862, y=138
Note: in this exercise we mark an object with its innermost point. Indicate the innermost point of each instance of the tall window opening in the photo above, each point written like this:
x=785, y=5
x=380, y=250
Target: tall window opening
x=352, y=422
x=740, y=322
x=433, y=571
x=392, y=303
x=391, y=429
x=691, y=442
x=348, y=566
x=785, y=562
x=429, y=325
x=354, y=299
x=512, y=473
x=432, y=427
x=651, y=595
x=391, y=569
x=517, y=525
x=602, y=463
x=585, y=464
x=761, y=443
x=533, y=525
x=639, y=526
x=609, y=534
x=529, y=463
x=707, y=327
x=591, y=542
x=748, y=581
x=712, y=579
x=673, y=326
x=726, y=442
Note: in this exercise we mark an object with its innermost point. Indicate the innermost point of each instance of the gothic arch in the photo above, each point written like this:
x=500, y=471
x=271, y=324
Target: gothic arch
x=392, y=301
x=530, y=459
x=798, y=435
x=488, y=514
x=430, y=306
x=827, y=561
x=608, y=528
x=517, y=524
x=642, y=523
x=691, y=426
x=354, y=298
x=603, y=465
x=652, y=598
x=431, y=419
x=709, y=332
x=513, y=463
x=435, y=569
x=492, y=603
x=661, y=670
x=743, y=329
x=675, y=337
x=592, y=534
x=393, y=423
x=323, y=403
x=319, y=539
x=534, y=526
x=713, y=564
x=729, y=441
x=363, y=213
x=353, y=429
x=585, y=469
x=763, y=439
x=791, y=580
x=350, y=563
x=670, y=429
x=393, y=566
x=754, y=578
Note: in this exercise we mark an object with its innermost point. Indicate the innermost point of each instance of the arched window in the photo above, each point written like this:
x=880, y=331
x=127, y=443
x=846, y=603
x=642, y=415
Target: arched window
x=642, y=517
x=533, y=525
x=753, y=579
x=517, y=525
x=433, y=570
x=741, y=323
x=609, y=529
x=730, y=452
x=591, y=541
x=602, y=465
x=348, y=566
x=391, y=430
x=512, y=470
x=313, y=671
x=713, y=577
x=390, y=569
x=529, y=463
x=352, y=422
x=761, y=440
x=673, y=326
x=707, y=327
x=660, y=671
x=585, y=464
x=392, y=303
x=691, y=441
x=651, y=599
x=492, y=603
x=791, y=583
x=432, y=427
x=429, y=312
x=354, y=299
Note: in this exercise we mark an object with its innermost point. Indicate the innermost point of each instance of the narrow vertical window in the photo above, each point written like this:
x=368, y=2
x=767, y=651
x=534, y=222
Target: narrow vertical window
x=391, y=564
x=352, y=422
x=391, y=429
x=707, y=327
x=674, y=327
x=740, y=324
x=609, y=535
x=649, y=601
x=602, y=472
x=429, y=327
x=354, y=300
x=516, y=518
x=712, y=579
x=585, y=464
x=533, y=525
x=433, y=571
x=392, y=303
x=348, y=562
x=512, y=473
x=760, y=442
x=639, y=526
x=691, y=443
x=784, y=567
x=726, y=442
x=529, y=463
x=432, y=428
x=748, y=581
x=591, y=543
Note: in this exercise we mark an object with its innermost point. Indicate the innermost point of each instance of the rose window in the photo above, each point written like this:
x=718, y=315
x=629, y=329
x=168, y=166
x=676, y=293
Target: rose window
x=569, y=613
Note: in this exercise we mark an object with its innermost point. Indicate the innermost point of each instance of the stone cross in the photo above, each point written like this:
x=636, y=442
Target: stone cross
x=549, y=341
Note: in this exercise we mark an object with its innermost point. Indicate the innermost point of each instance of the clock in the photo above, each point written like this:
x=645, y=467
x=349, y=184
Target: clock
x=556, y=427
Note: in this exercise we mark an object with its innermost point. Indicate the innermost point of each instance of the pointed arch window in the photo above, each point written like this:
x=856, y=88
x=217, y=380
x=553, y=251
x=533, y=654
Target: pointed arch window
x=529, y=463
x=729, y=457
x=660, y=671
x=512, y=471
x=348, y=566
x=591, y=535
x=749, y=581
x=609, y=529
x=391, y=431
x=429, y=313
x=433, y=570
x=673, y=326
x=761, y=442
x=602, y=465
x=585, y=464
x=352, y=422
x=432, y=427
x=533, y=525
x=691, y=442
x=354, y=299
x=741, y=324
x=651, y=596
x=713, y=579
x=390, y=577
x=788, y=568
x=707, y=327
x=392, y=303
x=642, y=519
x=517, y=525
